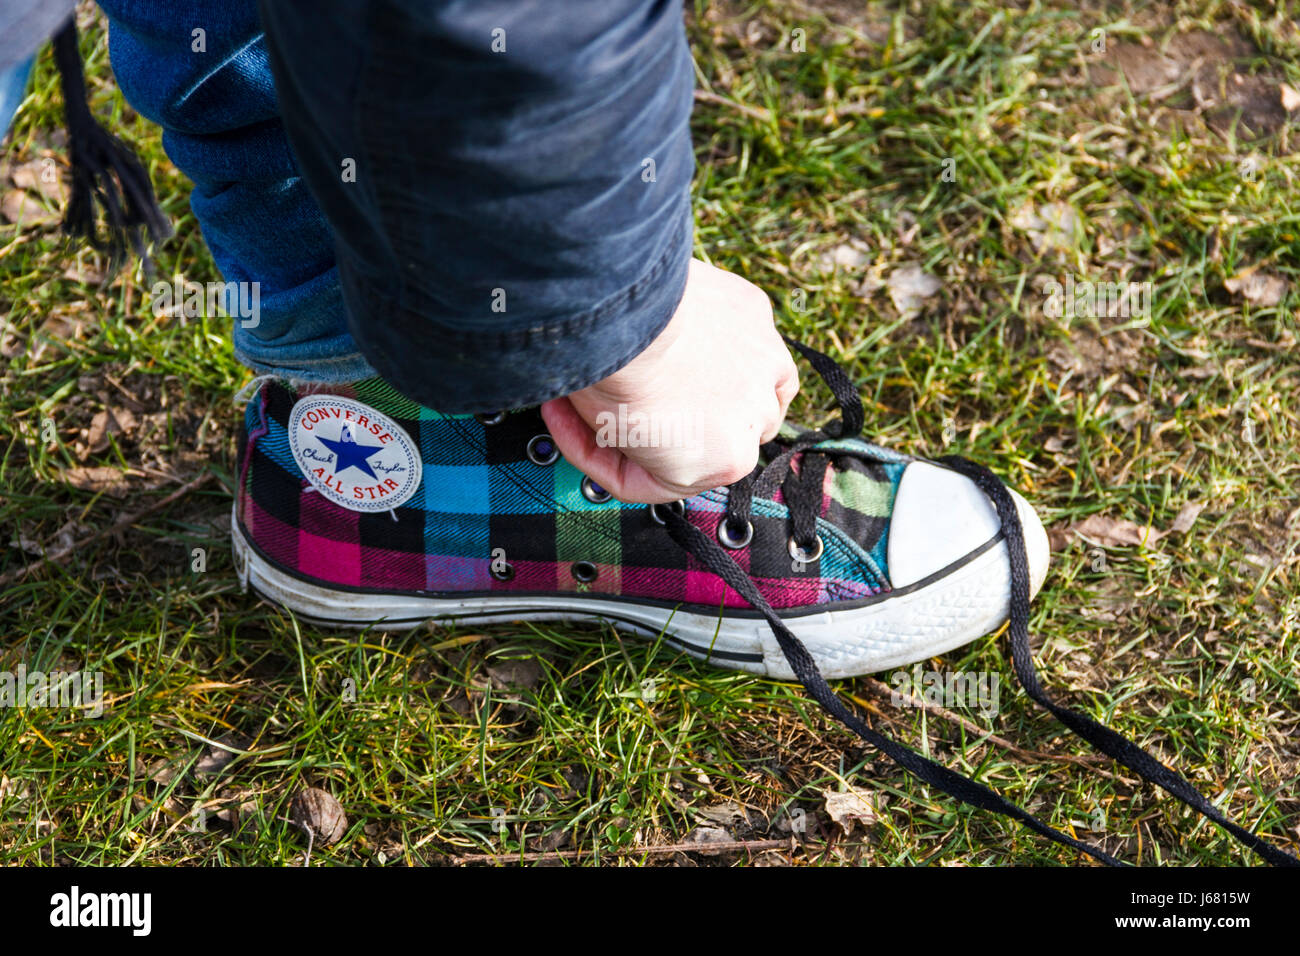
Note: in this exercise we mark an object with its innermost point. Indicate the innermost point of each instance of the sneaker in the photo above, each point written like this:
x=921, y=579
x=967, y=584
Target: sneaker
x=359, y=507
x=834, y=558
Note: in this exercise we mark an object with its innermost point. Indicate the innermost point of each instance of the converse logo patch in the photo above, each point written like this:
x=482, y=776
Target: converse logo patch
x=358, y=458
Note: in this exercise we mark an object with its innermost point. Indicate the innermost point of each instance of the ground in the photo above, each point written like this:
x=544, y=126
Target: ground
x=907, y=180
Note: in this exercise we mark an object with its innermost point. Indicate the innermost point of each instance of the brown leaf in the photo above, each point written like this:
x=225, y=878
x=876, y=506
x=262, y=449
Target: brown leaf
x=519, y=674
x=319, y=812
x=41, y=176
x=909, y=287
x=703, y=837
x=1115, y=532
x=850, y=808
x=847, y=255
x=1058, y=538
x=97, y=435
x=105, y=423
x=727, y=814
x=126, y=419
x=98, y=478
x=1054, y=444
x=21, y=207
x=1187, y=516
x=1260, y=288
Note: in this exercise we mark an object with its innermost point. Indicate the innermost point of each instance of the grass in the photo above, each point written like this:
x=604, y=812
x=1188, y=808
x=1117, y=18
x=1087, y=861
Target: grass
x=529, y=738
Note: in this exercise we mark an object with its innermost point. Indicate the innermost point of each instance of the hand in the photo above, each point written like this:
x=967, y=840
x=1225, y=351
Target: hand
x=689, y=412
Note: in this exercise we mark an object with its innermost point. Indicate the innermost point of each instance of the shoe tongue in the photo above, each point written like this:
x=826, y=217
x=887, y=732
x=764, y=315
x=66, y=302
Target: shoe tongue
x=860, y=500
x=383, y=397
x=865, y=485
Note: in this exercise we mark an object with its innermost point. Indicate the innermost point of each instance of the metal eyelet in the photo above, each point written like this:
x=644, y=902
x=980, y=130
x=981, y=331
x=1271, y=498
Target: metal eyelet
x=802, y=554
x=506, y=573
x=542, y=450
x=584, y=572
x=729, y=540
x=678, y=506
x=593, y=492
x=493, y=418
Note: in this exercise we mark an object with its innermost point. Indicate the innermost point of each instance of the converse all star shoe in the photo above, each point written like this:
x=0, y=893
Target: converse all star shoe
x=834, y=558
x=359, y=507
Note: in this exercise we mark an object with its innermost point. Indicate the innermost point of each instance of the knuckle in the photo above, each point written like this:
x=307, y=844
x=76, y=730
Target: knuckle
x=741, y=461
x=787, y=388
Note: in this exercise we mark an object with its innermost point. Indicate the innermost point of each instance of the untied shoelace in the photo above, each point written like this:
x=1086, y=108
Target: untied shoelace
x=802, y=491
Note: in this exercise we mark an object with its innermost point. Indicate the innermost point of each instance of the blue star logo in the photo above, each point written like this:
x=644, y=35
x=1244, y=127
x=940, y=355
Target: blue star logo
x=349, y=453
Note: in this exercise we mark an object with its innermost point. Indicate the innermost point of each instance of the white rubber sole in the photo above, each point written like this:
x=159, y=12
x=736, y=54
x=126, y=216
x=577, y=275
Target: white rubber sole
x=953, y=607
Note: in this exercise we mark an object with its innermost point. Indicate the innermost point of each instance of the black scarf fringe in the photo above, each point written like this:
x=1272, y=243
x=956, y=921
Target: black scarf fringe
x=106, y=175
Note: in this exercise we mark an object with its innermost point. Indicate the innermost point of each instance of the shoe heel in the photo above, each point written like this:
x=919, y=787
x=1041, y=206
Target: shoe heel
x=238, y=552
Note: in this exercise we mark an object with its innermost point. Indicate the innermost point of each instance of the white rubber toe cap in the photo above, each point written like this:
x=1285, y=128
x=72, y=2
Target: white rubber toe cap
x=940, y=517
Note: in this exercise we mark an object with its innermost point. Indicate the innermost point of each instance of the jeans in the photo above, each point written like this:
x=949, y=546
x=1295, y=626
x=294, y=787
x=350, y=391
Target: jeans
x=486, y=203
x=13, y=84
x=213, y=95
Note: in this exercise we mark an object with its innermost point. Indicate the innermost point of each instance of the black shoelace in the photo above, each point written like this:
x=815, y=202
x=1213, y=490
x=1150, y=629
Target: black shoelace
x=802, y=490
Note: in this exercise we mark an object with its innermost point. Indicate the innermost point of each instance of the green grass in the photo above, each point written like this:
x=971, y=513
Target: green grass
x=1189, y=645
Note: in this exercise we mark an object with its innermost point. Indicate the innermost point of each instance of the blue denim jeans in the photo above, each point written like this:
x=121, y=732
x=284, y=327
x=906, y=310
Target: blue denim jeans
x=13, y=84
x=486, y=203
x=222, y=128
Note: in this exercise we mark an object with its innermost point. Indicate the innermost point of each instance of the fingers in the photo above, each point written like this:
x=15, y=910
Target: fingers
x=605, y=465
x=787, y=383
x=738, y=460
x=720, y=367
x=577, y=443
x=774, y=414
x=786, y=388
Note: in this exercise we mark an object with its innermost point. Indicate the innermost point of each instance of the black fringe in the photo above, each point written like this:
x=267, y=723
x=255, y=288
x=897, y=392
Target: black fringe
x=105, y=172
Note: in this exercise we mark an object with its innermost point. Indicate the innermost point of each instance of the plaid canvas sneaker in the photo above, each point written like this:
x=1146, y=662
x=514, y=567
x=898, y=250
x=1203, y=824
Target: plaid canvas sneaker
x=834, y=558
x=357, y=506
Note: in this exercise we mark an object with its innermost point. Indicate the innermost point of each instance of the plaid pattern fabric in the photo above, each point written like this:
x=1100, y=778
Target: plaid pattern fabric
x=481, y=497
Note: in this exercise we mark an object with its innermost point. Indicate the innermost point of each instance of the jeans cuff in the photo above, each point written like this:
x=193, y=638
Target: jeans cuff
x=458, y=371
x=335, y=370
